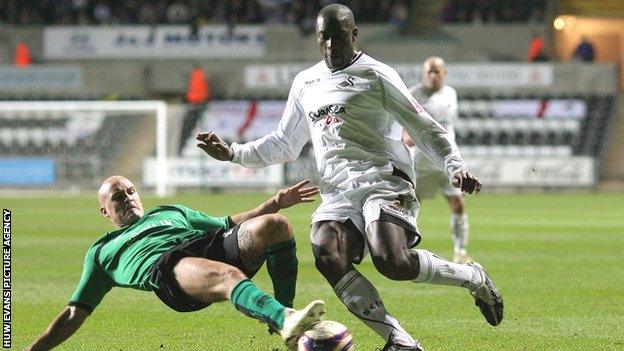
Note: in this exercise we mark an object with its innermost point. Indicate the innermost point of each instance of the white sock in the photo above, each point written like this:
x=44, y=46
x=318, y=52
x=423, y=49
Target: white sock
x=363, y=300
x=459, y=227
x=436, y=270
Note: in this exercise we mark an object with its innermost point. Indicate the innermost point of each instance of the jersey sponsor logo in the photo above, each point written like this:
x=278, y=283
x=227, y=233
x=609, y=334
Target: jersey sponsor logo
x=326, y=111
x=332, y=119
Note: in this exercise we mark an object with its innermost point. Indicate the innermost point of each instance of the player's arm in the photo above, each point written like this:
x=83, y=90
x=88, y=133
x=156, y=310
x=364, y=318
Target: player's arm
x=61, y=328
x=282, y=145
x=284, y=198
x=93, y=286
x=450, y=116
x=429, y=136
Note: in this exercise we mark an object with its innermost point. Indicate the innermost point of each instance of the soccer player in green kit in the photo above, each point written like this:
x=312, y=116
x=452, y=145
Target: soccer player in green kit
x=190, y=260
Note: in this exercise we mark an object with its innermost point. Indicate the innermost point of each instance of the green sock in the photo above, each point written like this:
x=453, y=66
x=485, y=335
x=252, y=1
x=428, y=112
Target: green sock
x=282, y=266
x=257, y=304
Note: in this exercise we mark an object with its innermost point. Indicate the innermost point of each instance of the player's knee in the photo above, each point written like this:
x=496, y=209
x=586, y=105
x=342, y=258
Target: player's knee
x=394, y=266
x=230, y=274
x=457, y=204
x=276, y=228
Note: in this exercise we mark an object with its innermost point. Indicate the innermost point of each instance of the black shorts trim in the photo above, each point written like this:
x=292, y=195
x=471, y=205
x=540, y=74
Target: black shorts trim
x=414, y=236
x=220, y=245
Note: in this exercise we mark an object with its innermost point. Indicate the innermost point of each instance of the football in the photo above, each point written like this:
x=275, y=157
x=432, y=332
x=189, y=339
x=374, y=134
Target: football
x=326, y=336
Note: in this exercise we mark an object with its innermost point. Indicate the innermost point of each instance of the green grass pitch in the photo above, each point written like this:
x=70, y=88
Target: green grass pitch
x=558, y=259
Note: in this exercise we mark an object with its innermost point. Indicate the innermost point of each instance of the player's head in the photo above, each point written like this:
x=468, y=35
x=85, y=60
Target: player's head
x=335, y=35
x=434, y=73
x=120, y=201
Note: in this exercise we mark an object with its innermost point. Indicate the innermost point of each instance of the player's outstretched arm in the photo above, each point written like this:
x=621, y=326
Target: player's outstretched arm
x=214, y=146
x=61, y=328
x=284, y=198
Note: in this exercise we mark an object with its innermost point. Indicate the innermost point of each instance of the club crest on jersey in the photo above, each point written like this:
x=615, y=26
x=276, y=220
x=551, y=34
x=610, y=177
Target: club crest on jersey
x=348, y=82
x=326, y=111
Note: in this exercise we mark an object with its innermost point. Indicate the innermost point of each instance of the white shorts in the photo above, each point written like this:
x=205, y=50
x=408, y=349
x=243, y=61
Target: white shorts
x=428, y=184
x=390, y=200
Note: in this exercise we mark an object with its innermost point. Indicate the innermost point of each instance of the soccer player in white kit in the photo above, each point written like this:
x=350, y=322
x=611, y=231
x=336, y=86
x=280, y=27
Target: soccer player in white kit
x=353, y=109
x=440, y=101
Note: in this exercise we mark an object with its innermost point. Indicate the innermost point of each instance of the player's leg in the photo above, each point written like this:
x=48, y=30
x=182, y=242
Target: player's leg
x=459, y=223
x=270, y=238
x=335, y=246
x=388, y=244
x=210, y=281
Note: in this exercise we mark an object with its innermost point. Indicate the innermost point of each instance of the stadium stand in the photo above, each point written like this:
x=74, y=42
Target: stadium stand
x=83, y=144
x=254, y=11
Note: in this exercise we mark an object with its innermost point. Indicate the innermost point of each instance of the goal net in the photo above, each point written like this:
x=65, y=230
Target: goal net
x=76, y=144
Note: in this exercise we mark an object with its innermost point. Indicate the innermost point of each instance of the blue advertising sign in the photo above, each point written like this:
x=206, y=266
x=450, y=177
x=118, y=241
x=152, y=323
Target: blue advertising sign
x=27, y=171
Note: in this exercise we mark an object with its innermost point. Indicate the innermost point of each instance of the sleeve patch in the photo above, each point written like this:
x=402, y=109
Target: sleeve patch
x=416, y=105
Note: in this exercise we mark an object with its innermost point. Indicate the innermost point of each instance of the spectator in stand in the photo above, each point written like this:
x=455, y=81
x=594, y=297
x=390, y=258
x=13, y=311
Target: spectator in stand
x=536, y=49
x=399, y=15
x=178, y=12
x=102, y=12
x=585, y=51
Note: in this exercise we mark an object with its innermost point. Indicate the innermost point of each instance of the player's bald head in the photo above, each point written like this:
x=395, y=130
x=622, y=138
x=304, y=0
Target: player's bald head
x=110, y=184
x=434, y=73
x=335, y=35
x=435, y=61
x=120, y=201
x=335, y=14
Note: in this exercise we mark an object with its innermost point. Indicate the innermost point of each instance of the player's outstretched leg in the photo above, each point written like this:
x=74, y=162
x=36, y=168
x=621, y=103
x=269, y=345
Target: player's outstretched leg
x=335, y=244
x=434, y=269
x=388, y=247
x=210, y=281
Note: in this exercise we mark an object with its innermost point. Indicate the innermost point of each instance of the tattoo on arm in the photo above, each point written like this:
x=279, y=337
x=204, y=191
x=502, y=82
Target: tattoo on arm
x=250, y=256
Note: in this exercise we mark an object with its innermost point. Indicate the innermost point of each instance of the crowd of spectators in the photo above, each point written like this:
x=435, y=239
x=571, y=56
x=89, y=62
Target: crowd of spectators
x=494, y=11
x=72, y=12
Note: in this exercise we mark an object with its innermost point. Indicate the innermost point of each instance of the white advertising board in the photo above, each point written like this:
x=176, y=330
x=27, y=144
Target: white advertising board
x=206, y=172
x=553, y=108
x=273, y=76
x=572, y=171
x=149, y=42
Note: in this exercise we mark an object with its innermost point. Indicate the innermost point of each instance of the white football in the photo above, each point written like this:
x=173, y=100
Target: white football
x=326, y=336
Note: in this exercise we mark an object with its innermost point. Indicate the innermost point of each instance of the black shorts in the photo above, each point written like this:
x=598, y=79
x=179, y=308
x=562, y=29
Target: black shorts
x=219, y=245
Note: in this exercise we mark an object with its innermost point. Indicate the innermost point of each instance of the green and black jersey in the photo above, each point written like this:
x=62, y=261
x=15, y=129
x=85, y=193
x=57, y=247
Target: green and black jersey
x=124, y=257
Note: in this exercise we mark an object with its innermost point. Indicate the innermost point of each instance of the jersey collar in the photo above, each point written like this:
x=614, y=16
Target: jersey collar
x=357, y=56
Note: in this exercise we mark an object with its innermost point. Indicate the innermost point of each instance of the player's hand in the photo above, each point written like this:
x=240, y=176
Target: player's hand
x=296, y=194
x=214, y=146
x=467, y=182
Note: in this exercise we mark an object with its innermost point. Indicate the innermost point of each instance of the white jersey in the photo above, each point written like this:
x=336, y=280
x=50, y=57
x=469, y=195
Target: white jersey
x=442, y=105
x=354, y=118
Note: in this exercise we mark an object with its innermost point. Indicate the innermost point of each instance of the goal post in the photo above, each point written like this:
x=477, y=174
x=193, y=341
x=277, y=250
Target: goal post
x=39, y=110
